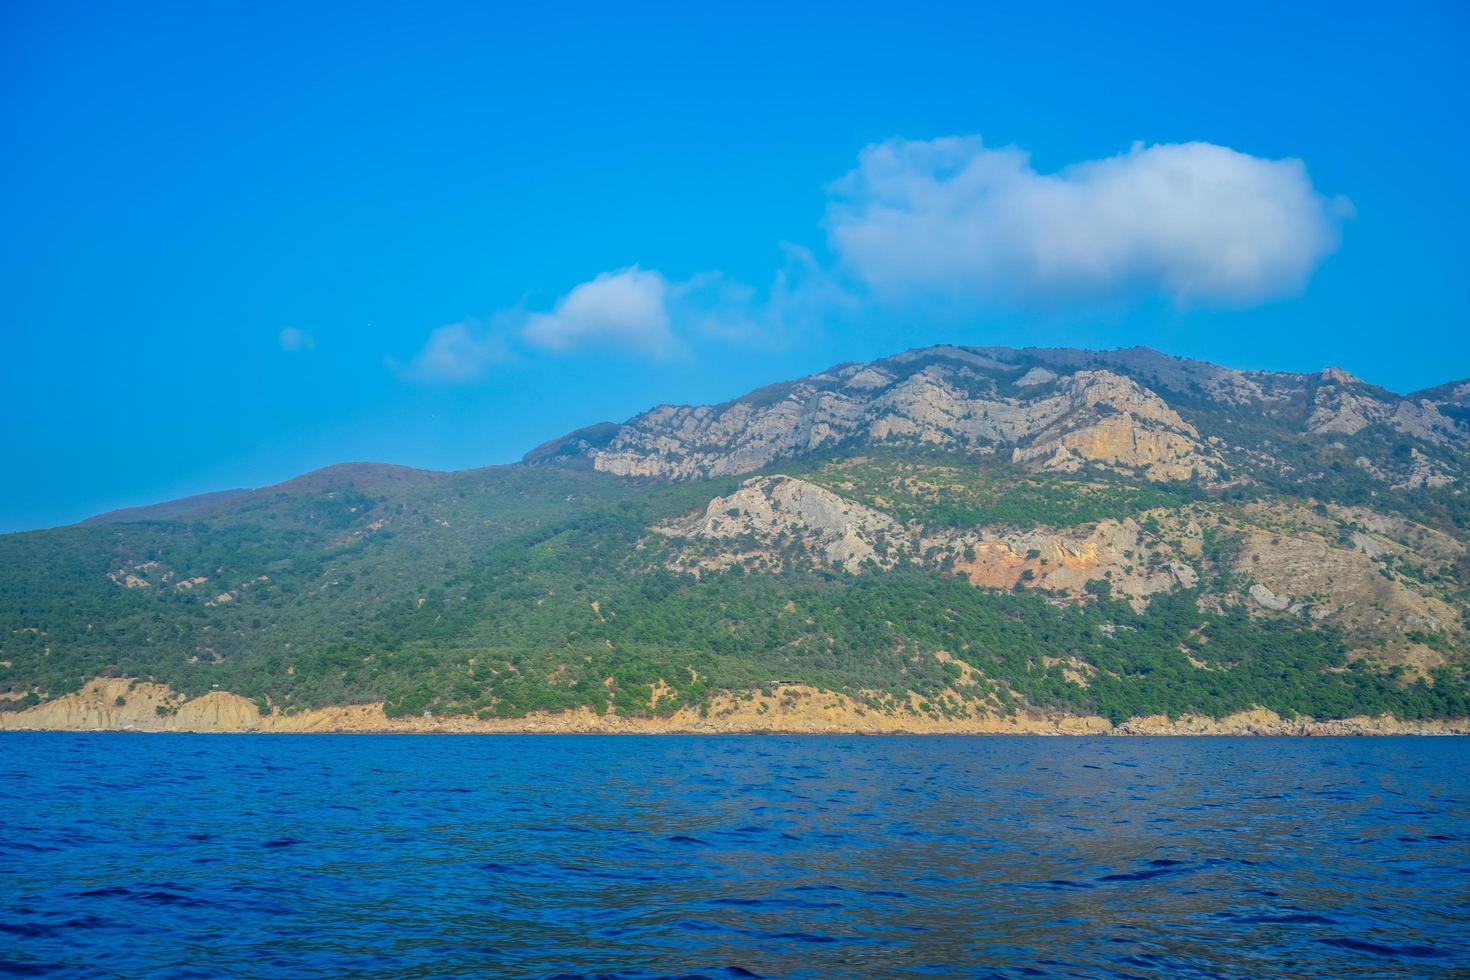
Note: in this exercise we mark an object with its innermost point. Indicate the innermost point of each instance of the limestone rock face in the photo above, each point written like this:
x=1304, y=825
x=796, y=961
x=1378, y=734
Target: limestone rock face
x=1135, y=565
x=1133, y=411
x=1426, y=472
x=1118, y=423
x=1304, y=564
x=778, y=510
x=1374, y=576
x=772, y=521
x=1267, y=599
x=1052, y=421
x=1343, y=404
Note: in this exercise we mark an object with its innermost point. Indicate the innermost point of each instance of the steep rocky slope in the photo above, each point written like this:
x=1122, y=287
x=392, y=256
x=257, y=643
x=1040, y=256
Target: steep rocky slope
x=771, y=515
x=1135, y=411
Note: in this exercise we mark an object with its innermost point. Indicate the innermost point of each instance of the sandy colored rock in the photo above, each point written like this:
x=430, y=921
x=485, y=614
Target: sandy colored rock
x=841, y=533
x=1061, y=422
x=1136, y=565
x=1301, y=563
x=756, y=525
x=789, y=708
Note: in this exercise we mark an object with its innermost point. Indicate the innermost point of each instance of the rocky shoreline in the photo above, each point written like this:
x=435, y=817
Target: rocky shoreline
x=116, y=704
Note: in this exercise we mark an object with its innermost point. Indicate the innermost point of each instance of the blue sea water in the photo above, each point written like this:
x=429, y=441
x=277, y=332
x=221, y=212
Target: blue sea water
x=434, y=856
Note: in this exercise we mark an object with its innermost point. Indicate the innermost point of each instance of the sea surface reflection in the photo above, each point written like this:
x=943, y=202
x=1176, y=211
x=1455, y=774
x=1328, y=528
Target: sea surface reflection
x=420, y=856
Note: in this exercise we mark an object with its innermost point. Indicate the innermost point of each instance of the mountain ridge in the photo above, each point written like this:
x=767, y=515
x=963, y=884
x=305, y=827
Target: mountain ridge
x=831, y=406
x=598, y=434
x=950, y=536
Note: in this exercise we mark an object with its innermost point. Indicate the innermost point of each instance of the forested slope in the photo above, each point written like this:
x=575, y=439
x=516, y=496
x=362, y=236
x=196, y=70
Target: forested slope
x=958, y=532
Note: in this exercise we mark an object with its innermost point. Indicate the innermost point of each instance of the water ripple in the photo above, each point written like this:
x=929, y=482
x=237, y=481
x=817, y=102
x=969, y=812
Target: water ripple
x=324, y=856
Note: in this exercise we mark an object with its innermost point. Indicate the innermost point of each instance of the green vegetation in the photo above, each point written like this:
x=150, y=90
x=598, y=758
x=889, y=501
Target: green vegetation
x=540, y=588
x=501, y=591
x=948, y=491
x=1327, y=466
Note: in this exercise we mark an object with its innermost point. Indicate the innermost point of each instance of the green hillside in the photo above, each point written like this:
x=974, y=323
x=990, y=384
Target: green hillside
x=552, y=585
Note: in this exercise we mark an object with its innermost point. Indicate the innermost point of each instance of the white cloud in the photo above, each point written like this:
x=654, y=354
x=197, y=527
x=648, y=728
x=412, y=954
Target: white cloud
x=457, y=352
x=712, y=305
x=952, y=219
x=628, y=308
x=1193, y=221
x=295, y=339
x=639, y=312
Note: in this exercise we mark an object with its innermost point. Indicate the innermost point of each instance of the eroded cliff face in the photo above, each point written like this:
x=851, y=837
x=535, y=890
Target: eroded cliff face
x=1043, y=409
x=758, y=522
x=1135, y=564
x=1341, y=403
x=1118, y=424
x=1051, y=421
x=1384, y=581
x=775, y=522
x=119, y=704
x=784, y=708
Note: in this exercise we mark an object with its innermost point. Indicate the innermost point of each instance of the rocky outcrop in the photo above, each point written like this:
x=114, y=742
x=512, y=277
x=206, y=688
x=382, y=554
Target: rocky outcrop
x=1135, y=565
x=1060, y=410
x=1370, y=574
x=1449, y=396
x=784, y=708
x=1260, y=721
x=768, y=515
x=1118, y=424
x=770, y=522
x=118, y=704
x=1340, y=403
x=951, y=402
x=1376, y=577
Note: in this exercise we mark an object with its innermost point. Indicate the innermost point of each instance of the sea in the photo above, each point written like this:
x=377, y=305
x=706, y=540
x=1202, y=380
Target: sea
x=133, y=855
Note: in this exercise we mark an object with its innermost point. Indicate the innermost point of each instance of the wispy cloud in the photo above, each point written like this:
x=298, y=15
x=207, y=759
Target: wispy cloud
x=632, y=311
x=802, y=296
x=1193, y=221
x=457, y=352
x=628, y=308
x=293, y=339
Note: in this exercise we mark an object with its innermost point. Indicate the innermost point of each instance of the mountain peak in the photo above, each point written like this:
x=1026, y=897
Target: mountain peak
x=1130, y=410
x=1337, y=376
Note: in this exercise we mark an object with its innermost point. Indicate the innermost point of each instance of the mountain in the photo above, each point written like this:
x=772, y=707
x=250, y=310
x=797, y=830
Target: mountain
x=169, y=510
x=951, y=538
x=1135, y=412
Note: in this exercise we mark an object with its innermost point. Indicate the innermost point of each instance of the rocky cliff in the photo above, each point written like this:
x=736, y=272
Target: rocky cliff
x=1133, y=411
x=125, y=706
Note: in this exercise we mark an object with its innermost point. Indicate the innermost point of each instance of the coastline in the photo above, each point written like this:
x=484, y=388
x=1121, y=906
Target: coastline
x=121, y=705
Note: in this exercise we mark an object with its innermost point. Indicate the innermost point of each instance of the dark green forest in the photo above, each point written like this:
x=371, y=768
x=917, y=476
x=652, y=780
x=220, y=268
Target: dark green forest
x=514, y=589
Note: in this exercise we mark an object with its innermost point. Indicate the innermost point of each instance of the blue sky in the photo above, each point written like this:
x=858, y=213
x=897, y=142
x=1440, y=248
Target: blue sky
x=243, y=241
